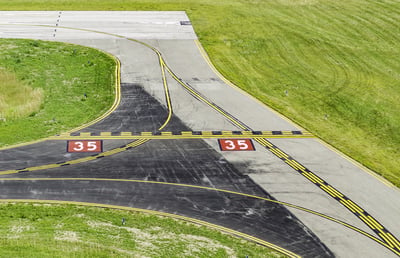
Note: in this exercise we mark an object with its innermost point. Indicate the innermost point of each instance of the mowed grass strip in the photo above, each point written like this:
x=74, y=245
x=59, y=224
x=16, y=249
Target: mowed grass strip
x=330, y=66
x=17, y=99
x=43, y=230
x=51, y=87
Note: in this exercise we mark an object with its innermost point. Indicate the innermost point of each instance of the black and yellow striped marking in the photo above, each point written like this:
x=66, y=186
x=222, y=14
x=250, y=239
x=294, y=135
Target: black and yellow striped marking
x=371, y=222
x=381, y=231
x=77, y=161
x=321, y=215
x=182, y=135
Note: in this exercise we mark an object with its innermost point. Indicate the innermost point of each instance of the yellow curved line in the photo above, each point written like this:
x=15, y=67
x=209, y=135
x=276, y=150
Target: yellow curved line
x=117, y=101
x=80, y=160
x=164, y=214
x=362, y=167
x=347, y=225
x=164, y=65
x=226, y=81
x=208, y=61
x=114, y=106
x=205, y=100
x=166, y=92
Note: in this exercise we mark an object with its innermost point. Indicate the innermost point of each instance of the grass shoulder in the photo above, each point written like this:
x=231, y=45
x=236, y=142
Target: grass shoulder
x=330, y=66
x=76, y=85
x=17, y=99
x=44, y=230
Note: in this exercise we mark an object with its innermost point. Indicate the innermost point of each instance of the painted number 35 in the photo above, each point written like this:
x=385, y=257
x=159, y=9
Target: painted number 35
x=85, y=146
x=236, y=144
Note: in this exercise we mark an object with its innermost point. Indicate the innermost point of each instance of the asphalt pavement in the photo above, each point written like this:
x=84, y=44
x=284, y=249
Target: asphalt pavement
x=169, y=85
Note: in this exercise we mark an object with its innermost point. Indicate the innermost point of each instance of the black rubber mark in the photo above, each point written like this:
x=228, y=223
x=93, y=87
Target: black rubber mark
x=297, y=132
x=185, y=23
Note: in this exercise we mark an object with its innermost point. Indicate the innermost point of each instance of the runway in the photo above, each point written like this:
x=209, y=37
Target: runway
x=161, y=148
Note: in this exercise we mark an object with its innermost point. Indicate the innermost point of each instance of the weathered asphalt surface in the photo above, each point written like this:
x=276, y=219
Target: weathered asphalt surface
x=194, y=162
x=191, y=162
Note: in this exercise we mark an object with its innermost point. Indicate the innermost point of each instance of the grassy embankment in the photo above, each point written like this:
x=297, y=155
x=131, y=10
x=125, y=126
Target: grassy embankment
x=44, y=87
x=329, y=65
x=42, y=230
x=16, y=99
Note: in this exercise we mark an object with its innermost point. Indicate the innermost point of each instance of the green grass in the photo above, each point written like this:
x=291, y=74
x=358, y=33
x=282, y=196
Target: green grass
x=43, y=230
x=60, y=75
x=329, y=65
x=16, y=99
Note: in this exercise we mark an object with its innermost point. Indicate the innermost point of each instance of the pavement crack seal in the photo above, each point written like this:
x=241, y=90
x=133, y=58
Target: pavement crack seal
x=384, y=243
x=379, y=229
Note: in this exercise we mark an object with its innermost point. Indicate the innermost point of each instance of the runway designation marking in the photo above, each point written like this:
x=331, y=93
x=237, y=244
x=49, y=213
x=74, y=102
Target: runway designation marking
x=381, y=231
x=85, y=146
x=236, y=145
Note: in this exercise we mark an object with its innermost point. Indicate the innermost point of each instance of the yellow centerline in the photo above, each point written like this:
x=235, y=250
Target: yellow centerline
x=164, y=214
x=197, y=95
x=377, y=240
x=117, y=101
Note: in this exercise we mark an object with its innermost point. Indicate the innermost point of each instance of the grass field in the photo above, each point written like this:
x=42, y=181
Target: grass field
x=48, y=82
x=43, y=230
x=329, y=65
x=17, y=100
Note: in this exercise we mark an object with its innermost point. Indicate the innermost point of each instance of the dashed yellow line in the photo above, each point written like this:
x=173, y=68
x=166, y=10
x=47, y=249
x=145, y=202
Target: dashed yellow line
x=294, y=164
x=265, y=143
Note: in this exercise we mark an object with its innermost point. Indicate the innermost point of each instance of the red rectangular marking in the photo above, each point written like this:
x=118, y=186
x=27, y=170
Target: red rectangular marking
x=236, y=144
x=85, y=146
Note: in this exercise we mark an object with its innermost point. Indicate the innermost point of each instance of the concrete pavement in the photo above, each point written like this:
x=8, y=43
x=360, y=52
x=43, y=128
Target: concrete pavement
x=143, y=107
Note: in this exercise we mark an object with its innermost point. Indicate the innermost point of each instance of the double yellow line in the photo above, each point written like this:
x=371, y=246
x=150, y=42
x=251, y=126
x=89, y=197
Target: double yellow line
x=386, y=236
